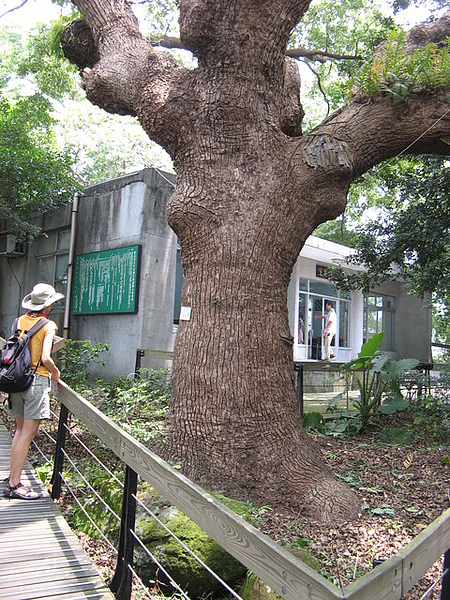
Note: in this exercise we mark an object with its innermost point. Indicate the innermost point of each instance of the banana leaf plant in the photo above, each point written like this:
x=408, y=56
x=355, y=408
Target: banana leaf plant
x=376, y=374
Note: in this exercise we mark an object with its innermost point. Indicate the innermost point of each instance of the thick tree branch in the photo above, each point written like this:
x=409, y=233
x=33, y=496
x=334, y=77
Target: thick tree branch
x=382, y=128
x=426, y=33
x=115, y=59
x=166, y=41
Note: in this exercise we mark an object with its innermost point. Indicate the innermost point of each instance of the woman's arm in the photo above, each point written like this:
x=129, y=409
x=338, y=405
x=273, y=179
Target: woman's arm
x=46, y=358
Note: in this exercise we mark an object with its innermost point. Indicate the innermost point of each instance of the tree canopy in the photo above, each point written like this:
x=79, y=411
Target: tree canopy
x=34, y=175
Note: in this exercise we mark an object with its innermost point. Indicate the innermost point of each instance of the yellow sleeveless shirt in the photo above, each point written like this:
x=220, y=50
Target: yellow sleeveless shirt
x=26, y=322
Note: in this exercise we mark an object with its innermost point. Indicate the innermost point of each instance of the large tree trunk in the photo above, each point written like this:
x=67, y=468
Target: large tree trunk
x=235, y=424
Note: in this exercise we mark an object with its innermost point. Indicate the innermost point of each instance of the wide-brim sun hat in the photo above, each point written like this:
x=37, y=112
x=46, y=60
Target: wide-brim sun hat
x=42, y=296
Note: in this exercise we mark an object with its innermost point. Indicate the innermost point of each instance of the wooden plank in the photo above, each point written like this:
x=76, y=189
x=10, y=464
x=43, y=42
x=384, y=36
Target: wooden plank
x=48, y=589
x=19, y=568
x=52, y=573
x=393, y=578
x=283, y=572
x=40, y=557
x=424, y=550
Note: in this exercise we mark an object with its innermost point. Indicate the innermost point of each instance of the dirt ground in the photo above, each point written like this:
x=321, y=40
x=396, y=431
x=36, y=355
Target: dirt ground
x=403, y=489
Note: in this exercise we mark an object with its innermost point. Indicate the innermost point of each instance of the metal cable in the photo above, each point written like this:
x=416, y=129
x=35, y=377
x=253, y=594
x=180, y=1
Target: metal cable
x=431, y=588
x=141, y=584
x=47, y=460
x=48, y=436
x=155, y=560
x=183, y=545
x=99, y=462
x=86, y=514
x=108, y=508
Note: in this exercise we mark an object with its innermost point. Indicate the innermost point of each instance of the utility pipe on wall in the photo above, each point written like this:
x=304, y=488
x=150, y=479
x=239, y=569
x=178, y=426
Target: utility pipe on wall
x=70, y=265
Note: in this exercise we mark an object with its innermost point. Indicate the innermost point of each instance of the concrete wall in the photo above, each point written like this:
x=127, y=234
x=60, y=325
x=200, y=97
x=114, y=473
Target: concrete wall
x=122, y=212
x=19, y=274
x=412, y=323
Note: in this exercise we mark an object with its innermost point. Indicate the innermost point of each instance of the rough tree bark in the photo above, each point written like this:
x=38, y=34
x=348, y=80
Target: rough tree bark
x=250, y=189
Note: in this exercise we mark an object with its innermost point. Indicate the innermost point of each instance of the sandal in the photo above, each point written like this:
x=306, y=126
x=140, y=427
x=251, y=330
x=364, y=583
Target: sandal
x=11, y=492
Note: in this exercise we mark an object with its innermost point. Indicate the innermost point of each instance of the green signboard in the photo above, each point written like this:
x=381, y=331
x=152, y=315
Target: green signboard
x=107, y=282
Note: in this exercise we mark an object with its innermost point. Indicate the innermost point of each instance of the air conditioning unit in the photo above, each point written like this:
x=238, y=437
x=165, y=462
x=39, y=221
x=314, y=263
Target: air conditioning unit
x=10, y=246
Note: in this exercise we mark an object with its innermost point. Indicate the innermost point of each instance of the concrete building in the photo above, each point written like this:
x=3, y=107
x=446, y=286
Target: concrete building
x=114, y=256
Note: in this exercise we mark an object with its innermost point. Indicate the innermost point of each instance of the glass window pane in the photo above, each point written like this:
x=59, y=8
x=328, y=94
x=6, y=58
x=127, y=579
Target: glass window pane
x=61, y=273
x=302, y=319
x=344, y=324
x=324, y=289
x=46, y=268
x=379, y=316
x=303, y=285
x=46, y=244
x=63, y=240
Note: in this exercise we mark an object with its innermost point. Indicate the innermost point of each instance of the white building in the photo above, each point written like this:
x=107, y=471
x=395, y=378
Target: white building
x=405, y=319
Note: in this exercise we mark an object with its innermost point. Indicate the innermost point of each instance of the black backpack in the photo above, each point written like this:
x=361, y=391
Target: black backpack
x=16, y=374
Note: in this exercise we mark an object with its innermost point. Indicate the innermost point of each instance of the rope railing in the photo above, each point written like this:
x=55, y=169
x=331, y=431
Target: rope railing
x=285, y=574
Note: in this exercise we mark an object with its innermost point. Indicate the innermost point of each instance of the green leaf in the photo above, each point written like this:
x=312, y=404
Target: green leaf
x=391, y=406
x=396, y=435
x=383, y=511
x=372, y=345
x=313, y=421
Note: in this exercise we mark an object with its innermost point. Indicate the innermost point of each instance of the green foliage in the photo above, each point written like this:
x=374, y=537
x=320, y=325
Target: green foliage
x=400, y=214
x=398, y=74
x=350, y=28
x=110, y=491
x=396, y=435
x=163, y=18
x=139, y=404
x=393, y=405
x=34, y=175
x=430, y=419
x=75, y=359
x=42, y=60
x=376, y=374
x=381, y=511
x=313, y=421
x=44, y=472
x=10, y=47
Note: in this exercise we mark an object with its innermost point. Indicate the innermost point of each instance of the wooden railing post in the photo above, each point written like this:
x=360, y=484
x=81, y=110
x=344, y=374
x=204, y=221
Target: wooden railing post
x=59, y=452
x=121, y=582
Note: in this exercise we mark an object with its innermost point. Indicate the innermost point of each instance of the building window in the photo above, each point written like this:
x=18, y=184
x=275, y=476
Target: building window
x=311, y=306
x=52, y=254
x=379, y=312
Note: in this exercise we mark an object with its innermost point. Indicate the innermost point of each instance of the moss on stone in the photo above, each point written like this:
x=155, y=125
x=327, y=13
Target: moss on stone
x=189, y=574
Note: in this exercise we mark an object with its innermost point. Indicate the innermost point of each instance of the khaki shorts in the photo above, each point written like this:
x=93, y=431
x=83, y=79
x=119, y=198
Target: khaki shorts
x=33, y=403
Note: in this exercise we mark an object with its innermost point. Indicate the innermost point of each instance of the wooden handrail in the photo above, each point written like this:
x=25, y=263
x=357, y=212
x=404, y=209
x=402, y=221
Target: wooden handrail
x=393, y=578
x=288, y=576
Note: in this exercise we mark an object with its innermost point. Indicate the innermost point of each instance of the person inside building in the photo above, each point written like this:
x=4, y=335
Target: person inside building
x=31, y=406
x=329, y=331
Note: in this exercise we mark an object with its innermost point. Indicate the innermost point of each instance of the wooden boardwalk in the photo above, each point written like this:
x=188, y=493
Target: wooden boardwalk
x=40, y=557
